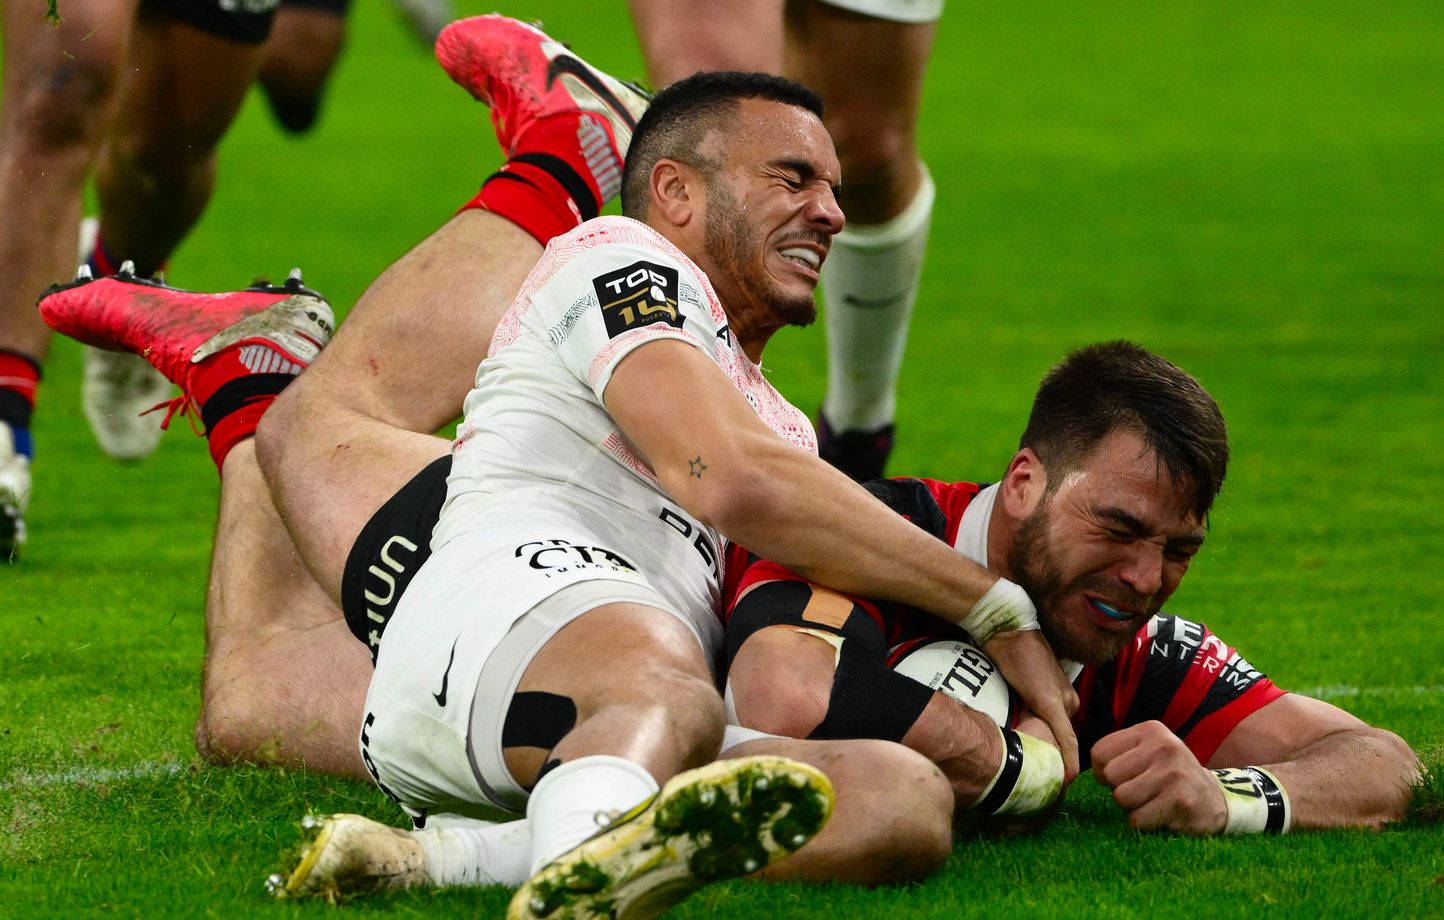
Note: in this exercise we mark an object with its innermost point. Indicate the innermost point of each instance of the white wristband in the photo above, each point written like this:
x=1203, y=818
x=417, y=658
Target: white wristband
x=1256, y=803
x=1004, y=607
x=1028, y=780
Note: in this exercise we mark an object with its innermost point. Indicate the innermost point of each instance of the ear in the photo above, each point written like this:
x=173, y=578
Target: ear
x=1023, y=484
x=676, y=192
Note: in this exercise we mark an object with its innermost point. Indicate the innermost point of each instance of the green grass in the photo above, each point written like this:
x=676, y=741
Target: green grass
x=1253, y=190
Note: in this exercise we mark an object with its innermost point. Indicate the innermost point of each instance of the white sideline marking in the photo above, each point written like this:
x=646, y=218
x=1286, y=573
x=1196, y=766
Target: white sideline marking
x=1349, y=691
x=92, y=775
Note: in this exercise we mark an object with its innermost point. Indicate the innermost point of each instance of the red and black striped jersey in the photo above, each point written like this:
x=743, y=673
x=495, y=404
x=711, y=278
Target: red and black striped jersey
x=1175, y=670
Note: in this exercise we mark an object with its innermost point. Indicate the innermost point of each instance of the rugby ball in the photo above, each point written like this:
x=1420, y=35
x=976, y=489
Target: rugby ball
x=964, y=673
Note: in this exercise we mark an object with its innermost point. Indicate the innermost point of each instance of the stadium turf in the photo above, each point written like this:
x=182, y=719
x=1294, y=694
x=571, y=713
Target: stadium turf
x=1253, y=190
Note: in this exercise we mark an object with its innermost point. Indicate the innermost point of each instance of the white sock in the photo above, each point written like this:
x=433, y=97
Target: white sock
x=565, y=805
x=476, y=853
x=869, y=283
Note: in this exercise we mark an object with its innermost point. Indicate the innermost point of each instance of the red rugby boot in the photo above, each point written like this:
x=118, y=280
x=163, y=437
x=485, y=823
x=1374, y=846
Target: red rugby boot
x=230, y=354
x=564, y=125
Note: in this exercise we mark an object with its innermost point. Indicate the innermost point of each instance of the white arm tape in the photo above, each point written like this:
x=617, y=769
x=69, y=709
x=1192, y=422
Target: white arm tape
x=1256, y=803
x=1005, y=607
x=1029, y=779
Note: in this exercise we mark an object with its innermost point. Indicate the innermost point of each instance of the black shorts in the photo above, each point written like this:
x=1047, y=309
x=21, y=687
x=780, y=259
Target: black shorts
x=389, y=552
x=339, y=7
x=245, y=21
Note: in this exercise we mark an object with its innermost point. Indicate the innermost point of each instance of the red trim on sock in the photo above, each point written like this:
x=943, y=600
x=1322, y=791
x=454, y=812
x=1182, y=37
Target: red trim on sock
x=534, y=201
x=561, y=136
x=19, y=374
x=100, y=261
x=235, y=428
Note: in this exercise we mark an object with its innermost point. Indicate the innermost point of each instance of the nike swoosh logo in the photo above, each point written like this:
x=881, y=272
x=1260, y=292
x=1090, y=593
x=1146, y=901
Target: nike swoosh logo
x=566, y=64
x=446, y=675
x=871, y=303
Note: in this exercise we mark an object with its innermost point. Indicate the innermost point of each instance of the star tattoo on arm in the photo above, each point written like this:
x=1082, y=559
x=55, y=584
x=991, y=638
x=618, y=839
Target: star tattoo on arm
x=697, y=466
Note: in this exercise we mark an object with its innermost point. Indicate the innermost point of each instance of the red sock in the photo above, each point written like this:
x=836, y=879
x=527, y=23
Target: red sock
x=550, y=183
x=19, y=374
x=234, y=389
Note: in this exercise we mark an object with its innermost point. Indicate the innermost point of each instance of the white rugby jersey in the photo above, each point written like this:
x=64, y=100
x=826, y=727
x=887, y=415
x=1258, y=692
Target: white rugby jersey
x=536, y=437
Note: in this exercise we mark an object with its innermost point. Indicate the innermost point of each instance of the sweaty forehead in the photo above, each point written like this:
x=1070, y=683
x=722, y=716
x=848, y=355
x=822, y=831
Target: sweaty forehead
x=1123, y=474
x=766, y=131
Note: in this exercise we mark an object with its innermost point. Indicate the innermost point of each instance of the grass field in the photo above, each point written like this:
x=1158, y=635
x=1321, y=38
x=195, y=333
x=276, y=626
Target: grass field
x=1254, y=190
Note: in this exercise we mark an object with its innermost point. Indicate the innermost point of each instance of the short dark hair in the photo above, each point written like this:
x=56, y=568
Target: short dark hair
x=1110, y=386
x=679, y=117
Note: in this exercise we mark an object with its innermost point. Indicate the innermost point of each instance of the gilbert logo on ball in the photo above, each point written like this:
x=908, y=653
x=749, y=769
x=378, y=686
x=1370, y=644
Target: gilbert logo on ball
x=964, y=673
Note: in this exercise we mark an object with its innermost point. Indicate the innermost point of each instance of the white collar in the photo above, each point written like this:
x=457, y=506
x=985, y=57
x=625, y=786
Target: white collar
x=972, y=539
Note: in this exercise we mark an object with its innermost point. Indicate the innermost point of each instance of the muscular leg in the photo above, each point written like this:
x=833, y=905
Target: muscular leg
x=682, y=37
x=893, y=821
x=342, y=439
x=157, y=169
x=870, y=73
x=59, y=97
x=284, y=680
x=302, y=51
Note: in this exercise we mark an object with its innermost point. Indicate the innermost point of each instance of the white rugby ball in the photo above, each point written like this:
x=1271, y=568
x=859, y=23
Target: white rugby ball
x=964, y=673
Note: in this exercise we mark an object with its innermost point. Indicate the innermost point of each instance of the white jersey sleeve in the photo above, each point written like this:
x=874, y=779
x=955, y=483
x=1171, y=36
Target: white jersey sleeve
x=622, y=296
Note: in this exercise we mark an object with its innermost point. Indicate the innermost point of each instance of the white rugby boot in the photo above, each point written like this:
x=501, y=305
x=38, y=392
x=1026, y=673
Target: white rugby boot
x=724, y=820
x=14, y=495
x=350, y=855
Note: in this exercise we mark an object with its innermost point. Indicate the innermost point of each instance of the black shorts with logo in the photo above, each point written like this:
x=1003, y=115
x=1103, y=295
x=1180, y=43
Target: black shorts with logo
x=389, y=551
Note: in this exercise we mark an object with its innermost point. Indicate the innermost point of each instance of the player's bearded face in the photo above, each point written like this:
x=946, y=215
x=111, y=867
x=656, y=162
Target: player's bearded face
x=1061, y=598
x=739, y=246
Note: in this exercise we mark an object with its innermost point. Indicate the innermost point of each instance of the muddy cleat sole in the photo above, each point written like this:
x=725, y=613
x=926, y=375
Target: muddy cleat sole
x=525, y=76
x=174, y=328
x=345, y=855
x=721, y=821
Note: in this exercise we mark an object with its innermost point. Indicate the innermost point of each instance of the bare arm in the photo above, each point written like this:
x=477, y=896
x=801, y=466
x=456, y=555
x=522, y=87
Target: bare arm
x=717, y=459
x=1336, y=770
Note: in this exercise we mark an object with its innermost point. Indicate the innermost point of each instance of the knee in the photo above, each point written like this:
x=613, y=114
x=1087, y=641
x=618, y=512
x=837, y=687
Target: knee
x=693, y=712
x=879, y=158
x=278, y=427
x=62, y=104
x=908, y=824
x=780, y=701
x=782, y=682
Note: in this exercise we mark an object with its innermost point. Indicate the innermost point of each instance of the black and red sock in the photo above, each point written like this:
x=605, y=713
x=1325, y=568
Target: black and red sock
x=549, y=184
x=19, y=377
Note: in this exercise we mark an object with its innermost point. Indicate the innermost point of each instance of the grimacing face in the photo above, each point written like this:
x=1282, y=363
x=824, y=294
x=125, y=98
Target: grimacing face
x=772, y=209
x=1105, y=548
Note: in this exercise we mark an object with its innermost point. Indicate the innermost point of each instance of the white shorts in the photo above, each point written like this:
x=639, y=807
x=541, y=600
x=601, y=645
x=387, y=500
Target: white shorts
x=909, y=11
x=473, y=618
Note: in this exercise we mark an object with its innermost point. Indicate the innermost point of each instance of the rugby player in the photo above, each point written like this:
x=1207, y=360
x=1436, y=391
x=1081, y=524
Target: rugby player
x=866, y=58
x=1098, y=516
x=138, y=93
x=756, y=208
